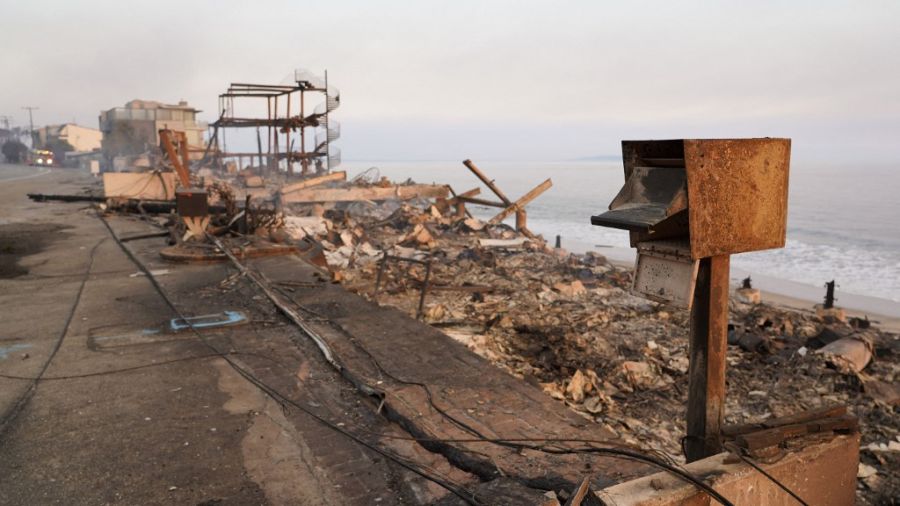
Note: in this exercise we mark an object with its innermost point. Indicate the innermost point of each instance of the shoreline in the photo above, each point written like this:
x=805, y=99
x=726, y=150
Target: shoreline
x=798, y=296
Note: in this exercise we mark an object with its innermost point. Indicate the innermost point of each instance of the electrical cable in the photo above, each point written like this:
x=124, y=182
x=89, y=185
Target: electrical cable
x=413, y=467
x=430, y=396
x=130, y=369
x=26, y=396
x=611, y=451
x=459, y=491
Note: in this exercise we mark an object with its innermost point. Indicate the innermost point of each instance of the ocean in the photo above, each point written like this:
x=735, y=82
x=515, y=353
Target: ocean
x=842, y=220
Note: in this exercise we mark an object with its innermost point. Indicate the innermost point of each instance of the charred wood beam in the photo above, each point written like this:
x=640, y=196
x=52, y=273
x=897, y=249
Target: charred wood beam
x=152, y=207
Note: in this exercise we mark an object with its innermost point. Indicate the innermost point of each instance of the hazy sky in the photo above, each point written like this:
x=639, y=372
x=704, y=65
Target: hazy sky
x=485, y=79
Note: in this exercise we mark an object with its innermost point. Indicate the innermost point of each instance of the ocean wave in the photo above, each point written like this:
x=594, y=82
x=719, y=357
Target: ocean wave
x=863, y=271
x=872, y=269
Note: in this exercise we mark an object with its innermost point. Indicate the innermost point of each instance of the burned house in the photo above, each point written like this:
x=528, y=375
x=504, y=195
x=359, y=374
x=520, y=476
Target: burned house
x=131, y=131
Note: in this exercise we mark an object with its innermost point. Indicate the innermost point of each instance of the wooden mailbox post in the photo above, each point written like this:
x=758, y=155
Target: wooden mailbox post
x=689, y=204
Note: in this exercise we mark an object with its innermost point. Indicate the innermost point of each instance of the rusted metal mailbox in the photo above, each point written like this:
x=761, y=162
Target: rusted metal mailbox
x=685, y=200
x=688, y=205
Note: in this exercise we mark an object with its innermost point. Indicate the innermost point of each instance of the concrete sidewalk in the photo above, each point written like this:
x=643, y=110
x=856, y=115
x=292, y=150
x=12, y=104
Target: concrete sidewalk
x=129, y=413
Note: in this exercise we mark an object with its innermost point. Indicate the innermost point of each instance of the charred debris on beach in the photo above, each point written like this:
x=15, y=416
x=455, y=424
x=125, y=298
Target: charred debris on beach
x=564, y=322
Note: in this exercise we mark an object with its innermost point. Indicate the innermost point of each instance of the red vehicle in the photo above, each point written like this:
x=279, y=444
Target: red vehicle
x=42, y=157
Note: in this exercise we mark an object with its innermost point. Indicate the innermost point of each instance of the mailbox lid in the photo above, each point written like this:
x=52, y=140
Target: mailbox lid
x=738, y=191
x=650, y=196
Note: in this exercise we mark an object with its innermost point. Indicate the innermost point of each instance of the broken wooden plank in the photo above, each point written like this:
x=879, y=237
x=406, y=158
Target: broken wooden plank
x=314, y=181
x=522, y=202
x=374, y=193
x=502, y=243
x=465, y=194
x=584, y=496
x=139, y=185
x=461, y=288
x=802, y=417
x=43, y=197
x=460, y=206
x=777, y=435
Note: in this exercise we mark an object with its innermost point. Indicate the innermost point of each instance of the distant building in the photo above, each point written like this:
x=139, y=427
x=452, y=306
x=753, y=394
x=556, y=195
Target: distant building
x=134, y=129
x=82, y=139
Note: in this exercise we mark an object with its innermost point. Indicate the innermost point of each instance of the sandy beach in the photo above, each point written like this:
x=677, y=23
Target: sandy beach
x=780, y=292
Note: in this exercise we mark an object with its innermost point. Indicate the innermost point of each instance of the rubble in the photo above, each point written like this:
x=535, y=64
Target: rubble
x=567, y=322
x=848, y=354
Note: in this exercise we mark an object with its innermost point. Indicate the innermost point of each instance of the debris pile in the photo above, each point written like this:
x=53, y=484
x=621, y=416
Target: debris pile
x=568, y=324
x=565, y=322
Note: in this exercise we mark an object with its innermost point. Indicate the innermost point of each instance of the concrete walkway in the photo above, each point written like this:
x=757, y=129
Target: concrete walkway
x=127, y=412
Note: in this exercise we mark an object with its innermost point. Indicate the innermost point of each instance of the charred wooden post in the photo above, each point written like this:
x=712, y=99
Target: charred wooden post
x=385, y=257
x=708, y=347
x=381, y=266
x=171, y=143
x=419, y=312
x=829, y=294
x=520, y=204
x=509, y=207
x=487, y=182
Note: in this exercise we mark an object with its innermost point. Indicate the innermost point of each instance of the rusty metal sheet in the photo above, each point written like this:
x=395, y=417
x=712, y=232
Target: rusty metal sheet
x=650, y=195
x=737, y=194
x=662, y=153
x=665, y=272
x=192, y=202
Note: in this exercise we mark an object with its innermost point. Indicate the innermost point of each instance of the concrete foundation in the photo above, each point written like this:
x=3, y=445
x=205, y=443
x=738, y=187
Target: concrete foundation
x=139, y=185
x=822, y=473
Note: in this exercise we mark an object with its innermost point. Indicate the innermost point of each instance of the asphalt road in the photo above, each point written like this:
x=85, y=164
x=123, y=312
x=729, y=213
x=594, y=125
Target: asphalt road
x=12, y=172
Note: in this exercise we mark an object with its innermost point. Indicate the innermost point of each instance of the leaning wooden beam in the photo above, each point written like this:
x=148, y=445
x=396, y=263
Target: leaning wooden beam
x=459, y=204
x=470, y=193
x=480, y=202
x=375, y=193
x=488, y=182
x=314, y=181
x=522, y=202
